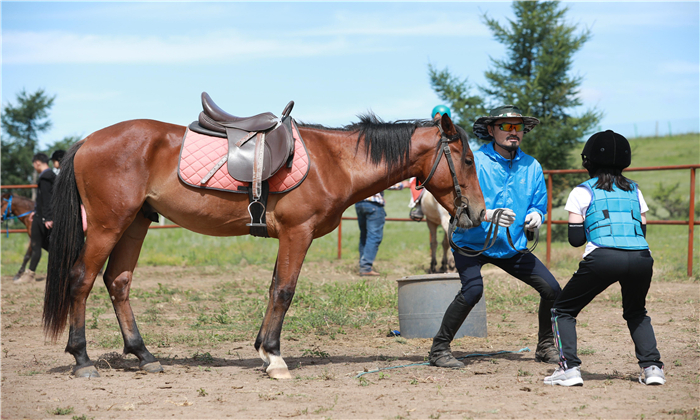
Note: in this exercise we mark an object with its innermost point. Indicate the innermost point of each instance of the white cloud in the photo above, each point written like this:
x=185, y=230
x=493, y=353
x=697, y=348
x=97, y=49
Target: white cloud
x=679, y=67
x=64, y=47
x=438, y=25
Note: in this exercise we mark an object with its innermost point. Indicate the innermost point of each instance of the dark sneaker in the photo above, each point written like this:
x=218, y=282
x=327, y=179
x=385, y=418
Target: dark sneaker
x=652, y=375
x=568, y=377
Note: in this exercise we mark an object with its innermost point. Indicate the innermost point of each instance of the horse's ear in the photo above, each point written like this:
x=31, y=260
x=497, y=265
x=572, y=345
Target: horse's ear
x=448, y=126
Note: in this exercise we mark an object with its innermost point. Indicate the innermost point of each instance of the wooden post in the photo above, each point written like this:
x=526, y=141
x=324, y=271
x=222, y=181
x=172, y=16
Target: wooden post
x=691, y=222
x=340, y=236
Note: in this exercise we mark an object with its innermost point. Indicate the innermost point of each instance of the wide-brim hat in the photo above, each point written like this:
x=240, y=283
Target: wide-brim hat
x=507, y=111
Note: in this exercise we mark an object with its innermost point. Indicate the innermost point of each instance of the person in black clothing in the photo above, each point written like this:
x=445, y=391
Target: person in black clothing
x=56, y=159
x=607, y=213
x=42, y=222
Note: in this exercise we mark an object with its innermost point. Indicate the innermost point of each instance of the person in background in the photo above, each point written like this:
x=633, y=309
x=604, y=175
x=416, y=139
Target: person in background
x=608, y=213
x=42, y=221
x=371, y=217
x=56, y=157
x=416, y=212
x=513, y=186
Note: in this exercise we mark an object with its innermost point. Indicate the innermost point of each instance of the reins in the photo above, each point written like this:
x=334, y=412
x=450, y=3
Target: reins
x=462, y=203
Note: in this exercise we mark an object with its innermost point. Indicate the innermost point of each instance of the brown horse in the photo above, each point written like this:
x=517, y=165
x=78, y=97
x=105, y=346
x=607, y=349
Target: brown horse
x=21, y=208
x=127, y=172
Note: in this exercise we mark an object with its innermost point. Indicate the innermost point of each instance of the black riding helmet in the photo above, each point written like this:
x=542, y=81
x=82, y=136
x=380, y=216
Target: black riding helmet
x=607, y=149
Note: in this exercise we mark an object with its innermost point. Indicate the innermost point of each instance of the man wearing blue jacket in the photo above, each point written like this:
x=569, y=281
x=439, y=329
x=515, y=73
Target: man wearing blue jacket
x=513, y=182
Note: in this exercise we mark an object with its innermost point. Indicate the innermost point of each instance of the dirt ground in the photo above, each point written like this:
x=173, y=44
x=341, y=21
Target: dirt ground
x=37, y=379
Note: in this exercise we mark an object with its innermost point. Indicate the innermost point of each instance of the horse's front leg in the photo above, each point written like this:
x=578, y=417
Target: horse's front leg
x=433, y=247
x=290, y=257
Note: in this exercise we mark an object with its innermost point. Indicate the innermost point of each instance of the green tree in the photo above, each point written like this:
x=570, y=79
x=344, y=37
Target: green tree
x=535, y=76
x=21, y=126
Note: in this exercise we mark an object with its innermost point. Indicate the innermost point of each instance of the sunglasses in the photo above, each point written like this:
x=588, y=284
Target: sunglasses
x=510, y=126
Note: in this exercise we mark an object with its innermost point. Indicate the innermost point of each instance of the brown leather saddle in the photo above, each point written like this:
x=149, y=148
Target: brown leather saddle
x=258, y=146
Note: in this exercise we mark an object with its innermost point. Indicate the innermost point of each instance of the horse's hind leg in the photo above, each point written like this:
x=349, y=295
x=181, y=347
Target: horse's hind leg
x=83, y=275
x=117, y=278
x=444, y=268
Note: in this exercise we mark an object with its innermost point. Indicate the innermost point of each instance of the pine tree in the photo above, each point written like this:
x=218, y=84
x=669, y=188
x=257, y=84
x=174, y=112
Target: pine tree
x=21, y=126
x=535, y=76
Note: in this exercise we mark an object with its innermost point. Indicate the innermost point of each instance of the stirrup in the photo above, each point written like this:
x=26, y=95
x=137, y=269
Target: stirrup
x=252, y=221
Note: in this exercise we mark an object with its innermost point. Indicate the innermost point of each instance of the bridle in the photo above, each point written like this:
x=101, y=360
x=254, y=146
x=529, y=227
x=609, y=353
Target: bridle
x=461, y=203
x=7, y=214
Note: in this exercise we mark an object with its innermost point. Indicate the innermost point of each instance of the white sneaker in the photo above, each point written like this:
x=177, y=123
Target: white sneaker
x=568, y=377
x=652, y=375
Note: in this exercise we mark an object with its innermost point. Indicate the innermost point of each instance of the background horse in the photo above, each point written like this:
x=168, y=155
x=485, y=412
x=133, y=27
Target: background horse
x=21, y=208
x=125, y=173
x=436, y=215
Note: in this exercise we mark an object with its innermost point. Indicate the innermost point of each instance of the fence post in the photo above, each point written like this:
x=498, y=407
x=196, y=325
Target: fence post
x=549, y=218
x=340, y=235
x=691, y=222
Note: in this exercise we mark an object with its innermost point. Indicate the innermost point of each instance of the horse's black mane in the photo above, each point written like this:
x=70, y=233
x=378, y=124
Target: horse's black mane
x=387, y=141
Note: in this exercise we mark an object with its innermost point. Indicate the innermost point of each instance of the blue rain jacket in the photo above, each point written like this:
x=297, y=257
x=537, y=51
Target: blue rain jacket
x=519, y=187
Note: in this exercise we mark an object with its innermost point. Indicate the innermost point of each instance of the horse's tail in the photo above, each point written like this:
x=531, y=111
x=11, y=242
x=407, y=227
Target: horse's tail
x=66, y=244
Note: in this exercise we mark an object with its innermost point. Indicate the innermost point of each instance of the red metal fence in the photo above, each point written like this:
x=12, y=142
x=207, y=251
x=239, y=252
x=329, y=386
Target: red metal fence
x=691, y=222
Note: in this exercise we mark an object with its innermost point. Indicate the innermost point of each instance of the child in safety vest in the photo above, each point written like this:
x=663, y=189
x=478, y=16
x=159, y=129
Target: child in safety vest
x=607, y=212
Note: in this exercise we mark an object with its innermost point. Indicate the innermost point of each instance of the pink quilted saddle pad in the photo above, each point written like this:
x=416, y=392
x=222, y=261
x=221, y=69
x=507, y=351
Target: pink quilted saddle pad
x=200, y=153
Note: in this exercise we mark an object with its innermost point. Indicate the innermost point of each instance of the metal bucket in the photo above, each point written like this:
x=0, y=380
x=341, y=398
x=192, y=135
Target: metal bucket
x=423, y=301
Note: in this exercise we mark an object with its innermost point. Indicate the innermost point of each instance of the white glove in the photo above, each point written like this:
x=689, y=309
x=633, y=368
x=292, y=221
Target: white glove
x=507, y=217
x=533, y=221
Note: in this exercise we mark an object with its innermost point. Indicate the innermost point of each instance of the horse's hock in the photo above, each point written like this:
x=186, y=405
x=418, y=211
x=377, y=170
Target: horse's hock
x=423, y=301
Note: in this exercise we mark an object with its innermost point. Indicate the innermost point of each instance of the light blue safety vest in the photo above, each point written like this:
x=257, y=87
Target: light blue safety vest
x=614, y=218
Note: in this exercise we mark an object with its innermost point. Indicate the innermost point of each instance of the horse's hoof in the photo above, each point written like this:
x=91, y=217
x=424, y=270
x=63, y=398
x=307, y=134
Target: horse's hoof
x=153, y=367
x=86, y=372
x=279, y=373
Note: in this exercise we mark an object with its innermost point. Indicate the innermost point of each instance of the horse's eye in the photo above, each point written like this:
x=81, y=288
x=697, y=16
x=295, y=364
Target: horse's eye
x=469, y=161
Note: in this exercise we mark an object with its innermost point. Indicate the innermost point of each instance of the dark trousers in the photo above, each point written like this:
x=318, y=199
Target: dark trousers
x=40, y=239
x=525, y=267
x=597, y=271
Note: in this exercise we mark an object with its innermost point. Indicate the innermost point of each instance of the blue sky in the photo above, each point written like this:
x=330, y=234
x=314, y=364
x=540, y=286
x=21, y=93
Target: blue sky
x=112, y=61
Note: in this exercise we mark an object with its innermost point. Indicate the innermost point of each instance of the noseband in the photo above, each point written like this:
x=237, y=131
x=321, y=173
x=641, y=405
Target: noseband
x=461, y=204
